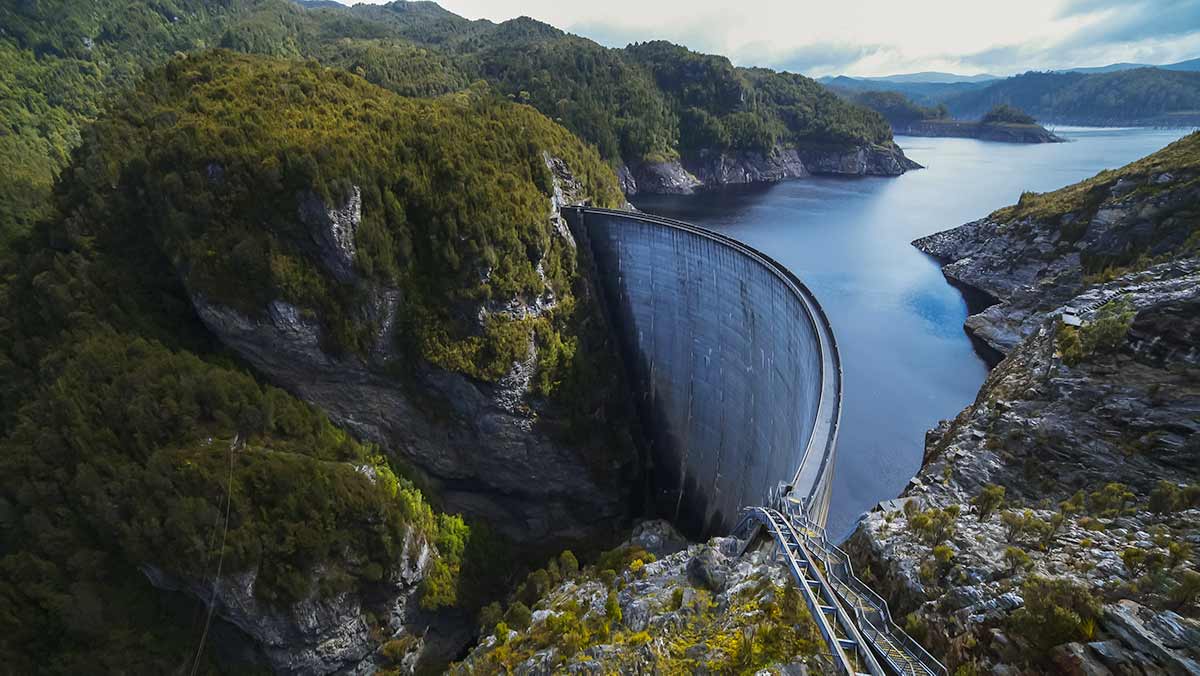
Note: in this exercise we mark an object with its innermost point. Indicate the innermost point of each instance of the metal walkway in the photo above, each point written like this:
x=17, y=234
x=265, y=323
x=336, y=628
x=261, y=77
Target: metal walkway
x=853, y=620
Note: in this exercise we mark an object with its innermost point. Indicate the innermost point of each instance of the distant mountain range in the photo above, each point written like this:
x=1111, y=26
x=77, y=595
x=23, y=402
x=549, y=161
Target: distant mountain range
x=939, y=77
x=928, y=76
x=1124, y=94
x=1189, y=65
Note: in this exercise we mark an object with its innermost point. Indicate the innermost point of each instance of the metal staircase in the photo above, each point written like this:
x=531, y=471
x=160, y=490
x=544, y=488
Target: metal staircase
x=854, y=621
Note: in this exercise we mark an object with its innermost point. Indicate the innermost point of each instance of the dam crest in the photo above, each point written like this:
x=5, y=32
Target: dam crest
x=738, y=388
x=732, y=362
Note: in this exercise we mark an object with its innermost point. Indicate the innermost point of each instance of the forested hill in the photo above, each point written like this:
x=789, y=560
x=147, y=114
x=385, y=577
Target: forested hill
x=128, y=431
x=1142, y=96
x=60, y=61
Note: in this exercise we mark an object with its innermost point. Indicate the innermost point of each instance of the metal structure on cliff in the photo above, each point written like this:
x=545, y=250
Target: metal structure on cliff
x=739, y=383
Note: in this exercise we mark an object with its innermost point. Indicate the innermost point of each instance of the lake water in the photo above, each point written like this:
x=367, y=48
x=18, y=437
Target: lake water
x=907, y=361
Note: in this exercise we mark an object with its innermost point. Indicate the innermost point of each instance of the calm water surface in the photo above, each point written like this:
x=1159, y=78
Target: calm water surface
x=906, y=359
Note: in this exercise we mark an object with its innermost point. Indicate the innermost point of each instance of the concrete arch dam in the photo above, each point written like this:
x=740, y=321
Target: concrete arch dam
x=732, y=361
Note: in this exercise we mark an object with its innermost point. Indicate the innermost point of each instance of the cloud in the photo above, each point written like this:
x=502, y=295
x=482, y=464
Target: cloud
x=818, y=58
x=1134, y=21
x=867, y=37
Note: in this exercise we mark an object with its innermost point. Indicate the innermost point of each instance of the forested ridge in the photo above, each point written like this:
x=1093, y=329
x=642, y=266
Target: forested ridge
x=123, y=424
x=62, y=61
x=155, y=154
x=1137, y=96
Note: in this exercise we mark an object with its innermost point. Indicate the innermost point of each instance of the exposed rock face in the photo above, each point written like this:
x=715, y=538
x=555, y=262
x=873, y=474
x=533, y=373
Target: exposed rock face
x=1032, y=265
x=688, y=623
x=1005, y=133
x=482, y=446
x=1116, y=424
x=714, y=169
x=333, y=230
x=860, y=161
x=663, y=178
x=328, y=633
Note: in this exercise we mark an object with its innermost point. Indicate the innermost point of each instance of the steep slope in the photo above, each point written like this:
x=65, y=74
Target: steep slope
x=1054, y=523
x=398, y=263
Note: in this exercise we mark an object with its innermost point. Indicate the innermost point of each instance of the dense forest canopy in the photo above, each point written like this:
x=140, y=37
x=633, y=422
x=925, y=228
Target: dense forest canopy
x=123, y=425
x=898, y=109
x=1006, y=114
x=60, y=62
x=1140, y=95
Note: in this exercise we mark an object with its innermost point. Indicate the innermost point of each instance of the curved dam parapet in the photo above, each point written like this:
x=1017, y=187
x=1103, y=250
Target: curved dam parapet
x=733, y=362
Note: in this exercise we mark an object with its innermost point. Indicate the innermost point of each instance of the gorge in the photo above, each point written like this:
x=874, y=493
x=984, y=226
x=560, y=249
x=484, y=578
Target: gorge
x=377, y=339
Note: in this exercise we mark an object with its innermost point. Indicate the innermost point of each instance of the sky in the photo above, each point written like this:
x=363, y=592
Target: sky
x=882, y=37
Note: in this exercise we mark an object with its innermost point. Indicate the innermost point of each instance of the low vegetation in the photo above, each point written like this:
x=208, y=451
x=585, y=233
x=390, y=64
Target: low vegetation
x=1103, y=335
x=761, y=624
x=1181, y=159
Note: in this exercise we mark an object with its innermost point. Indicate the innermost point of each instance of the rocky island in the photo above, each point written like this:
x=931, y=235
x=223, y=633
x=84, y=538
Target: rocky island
x=1002, y=123
x=1053, y=525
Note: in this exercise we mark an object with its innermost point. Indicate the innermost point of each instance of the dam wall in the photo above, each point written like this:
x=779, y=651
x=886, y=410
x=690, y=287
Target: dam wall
x=732, y=362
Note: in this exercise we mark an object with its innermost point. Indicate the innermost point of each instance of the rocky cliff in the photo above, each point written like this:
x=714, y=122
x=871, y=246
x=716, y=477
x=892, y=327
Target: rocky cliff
x=487, y=449
x=1053, y=525
x=1005, y=133
x=664, y=606
x=714, y=169
x=398, y=264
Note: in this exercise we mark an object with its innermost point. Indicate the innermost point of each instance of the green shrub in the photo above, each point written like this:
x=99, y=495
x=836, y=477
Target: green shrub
x=489, y=616
x=1025, y=526
x=1168, y=497
x=1115, y=499
x=518, y=616
x=988, y=501
x=501, y=633
x=934, y=525
x=1103, y=335
x=1017, y=559
x=1187, y=591
x=1056, y=611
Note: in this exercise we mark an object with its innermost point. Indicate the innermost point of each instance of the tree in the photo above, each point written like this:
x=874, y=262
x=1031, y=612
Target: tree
x=568, y=564
x=518, y=616
x=612, y=610
x=1006, y=114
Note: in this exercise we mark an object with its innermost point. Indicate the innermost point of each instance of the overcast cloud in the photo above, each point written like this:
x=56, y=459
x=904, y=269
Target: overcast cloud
x=881, y=37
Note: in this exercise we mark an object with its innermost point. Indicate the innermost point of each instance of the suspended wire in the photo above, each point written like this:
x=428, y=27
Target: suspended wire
x=212, y=601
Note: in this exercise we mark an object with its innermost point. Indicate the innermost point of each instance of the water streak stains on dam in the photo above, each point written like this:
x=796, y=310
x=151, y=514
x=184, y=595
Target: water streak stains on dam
x=731, y=359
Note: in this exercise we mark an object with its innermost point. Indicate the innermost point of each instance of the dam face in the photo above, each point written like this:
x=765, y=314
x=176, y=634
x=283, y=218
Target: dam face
x=732, y=362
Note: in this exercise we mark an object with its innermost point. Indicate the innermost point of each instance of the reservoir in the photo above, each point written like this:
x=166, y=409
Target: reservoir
x=907, y=361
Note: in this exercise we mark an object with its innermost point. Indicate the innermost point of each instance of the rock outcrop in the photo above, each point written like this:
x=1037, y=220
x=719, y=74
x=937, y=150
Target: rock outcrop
x=1030, y=265
x=485, y=448
x=679, y=608
x=714, y=169
x=1075, y=475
